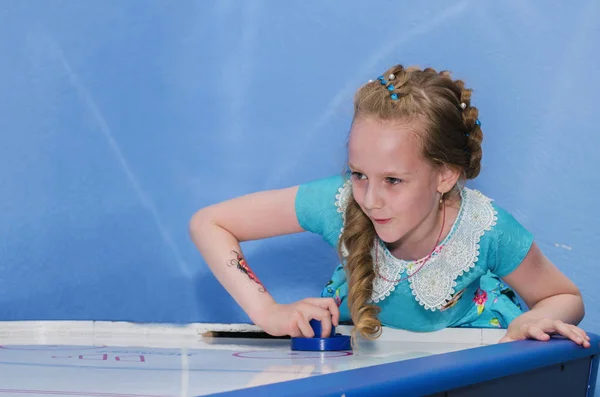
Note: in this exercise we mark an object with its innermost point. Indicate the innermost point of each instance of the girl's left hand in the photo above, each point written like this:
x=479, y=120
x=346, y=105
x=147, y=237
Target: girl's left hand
x=543, y=329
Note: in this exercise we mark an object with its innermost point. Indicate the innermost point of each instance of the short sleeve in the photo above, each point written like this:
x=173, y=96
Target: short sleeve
x=512, y=243
x=316, y=208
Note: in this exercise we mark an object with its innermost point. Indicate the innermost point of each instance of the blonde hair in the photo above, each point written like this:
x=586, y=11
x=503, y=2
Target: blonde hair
x=452, y=136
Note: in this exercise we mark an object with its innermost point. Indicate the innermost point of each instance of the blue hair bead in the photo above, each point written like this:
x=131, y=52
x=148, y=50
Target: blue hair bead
x=477, y=122
x=394, y=96
x=391, y=87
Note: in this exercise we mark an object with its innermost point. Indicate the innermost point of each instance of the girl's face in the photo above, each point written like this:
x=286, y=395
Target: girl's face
x=396, y=187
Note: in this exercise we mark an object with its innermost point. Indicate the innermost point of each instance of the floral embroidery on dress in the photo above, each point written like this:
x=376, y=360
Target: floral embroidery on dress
x=503, y=289
x=337, y=298
x=433, y=284
x=480, y=298
x=329, y=289
x=453, y=301
x=333, y=288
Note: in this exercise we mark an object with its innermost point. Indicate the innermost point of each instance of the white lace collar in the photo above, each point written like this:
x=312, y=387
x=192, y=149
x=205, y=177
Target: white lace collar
x=433, y=286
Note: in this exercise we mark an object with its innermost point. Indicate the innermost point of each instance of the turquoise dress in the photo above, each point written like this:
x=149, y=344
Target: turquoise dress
x=459, y=286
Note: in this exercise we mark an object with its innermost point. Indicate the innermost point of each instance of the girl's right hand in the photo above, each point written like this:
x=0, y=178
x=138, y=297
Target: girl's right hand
x=293, y=319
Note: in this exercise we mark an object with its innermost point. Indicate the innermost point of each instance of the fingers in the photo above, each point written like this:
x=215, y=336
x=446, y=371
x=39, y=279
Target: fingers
x=536, y=332
x=581, y=333
x=329, y=304
x=306, y=330
x=294, y=330
x=324, y=310
x=543, y=329
x=324, y=316
x=540, y=330
x=571, y=332
x=568, y=332
x=307, y=312
x=334, y=310
x=578, y=335
x=506, y=339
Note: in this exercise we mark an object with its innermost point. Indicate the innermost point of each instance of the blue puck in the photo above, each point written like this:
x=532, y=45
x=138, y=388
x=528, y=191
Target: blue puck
x=316, y=327
x=335, y=342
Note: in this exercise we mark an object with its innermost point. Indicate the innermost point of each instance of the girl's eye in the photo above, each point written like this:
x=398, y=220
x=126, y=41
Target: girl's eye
x=393, y=181
x=357, y=175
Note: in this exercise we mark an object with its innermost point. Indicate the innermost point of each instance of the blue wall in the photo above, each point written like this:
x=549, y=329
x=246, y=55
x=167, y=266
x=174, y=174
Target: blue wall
x=120, y=119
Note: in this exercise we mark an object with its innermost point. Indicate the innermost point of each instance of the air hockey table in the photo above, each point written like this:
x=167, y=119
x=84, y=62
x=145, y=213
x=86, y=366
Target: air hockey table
x=464, y=362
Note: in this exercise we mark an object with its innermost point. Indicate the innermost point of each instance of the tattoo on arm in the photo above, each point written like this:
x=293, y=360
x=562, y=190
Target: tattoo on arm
x=240, y=263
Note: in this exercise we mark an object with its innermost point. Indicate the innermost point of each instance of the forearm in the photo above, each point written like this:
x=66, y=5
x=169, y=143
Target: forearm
x=223, y=255
x=567, y=308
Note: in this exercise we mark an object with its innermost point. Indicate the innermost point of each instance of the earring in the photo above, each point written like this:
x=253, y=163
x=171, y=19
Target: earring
x=442, y=204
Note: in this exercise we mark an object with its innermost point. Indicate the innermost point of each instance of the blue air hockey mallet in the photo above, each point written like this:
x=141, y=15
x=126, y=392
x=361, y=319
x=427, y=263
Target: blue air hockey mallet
x=335, y=342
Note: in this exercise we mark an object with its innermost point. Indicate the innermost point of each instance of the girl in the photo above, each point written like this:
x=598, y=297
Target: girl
x=419, y=250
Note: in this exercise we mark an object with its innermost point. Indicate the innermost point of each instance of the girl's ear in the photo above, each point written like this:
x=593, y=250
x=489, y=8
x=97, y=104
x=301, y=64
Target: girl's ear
x=448, y=178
